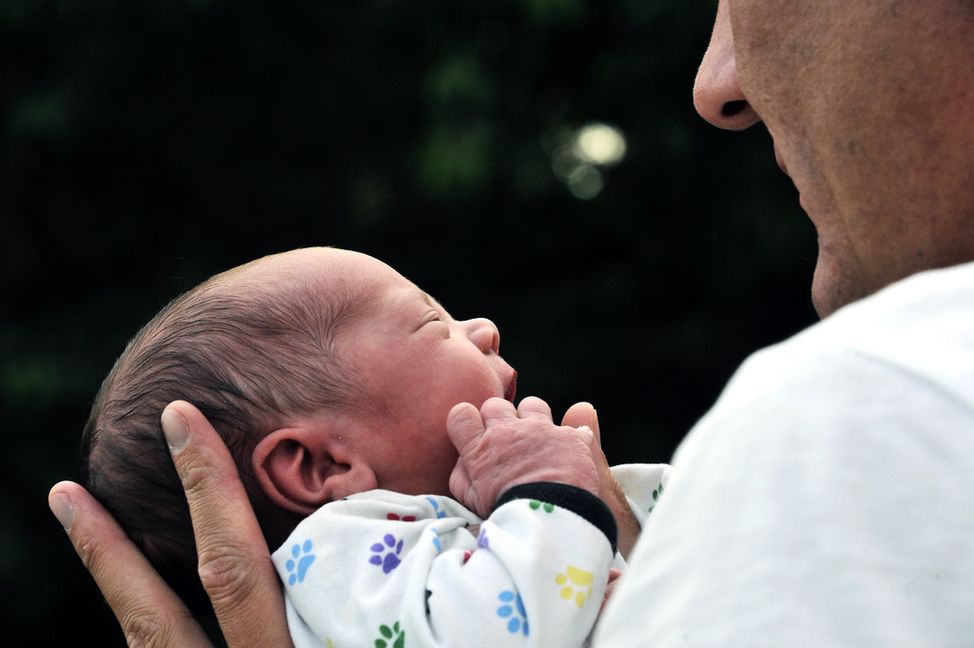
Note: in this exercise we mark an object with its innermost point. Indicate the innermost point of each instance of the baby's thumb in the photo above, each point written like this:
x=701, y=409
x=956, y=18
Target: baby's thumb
x=464, y=425
x=582, y=414
x=460, y=486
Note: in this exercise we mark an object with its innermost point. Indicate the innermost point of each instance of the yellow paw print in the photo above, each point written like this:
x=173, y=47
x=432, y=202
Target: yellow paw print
x=578, y=578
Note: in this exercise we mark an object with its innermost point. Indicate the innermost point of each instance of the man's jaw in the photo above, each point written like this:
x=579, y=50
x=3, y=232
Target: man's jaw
x=784, y=168
x=781, y=161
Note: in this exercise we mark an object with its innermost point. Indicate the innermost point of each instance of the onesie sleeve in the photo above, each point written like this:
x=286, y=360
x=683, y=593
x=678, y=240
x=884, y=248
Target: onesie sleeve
x=643, y=485
x=394, y=571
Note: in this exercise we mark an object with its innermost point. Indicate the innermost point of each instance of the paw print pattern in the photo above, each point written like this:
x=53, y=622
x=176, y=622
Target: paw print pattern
x=436, y=539
x=301, y=559
x=391, y=550
x=535, y=505
x=392, y=634
x=512, y=609
x=575, y=577
x=482, y=540
x=436, y=507
x=657, y=493
x=404, y=518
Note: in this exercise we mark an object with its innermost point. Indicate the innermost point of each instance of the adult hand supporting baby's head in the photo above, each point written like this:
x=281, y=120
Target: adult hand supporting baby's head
x=234, y=563
x=501, y=447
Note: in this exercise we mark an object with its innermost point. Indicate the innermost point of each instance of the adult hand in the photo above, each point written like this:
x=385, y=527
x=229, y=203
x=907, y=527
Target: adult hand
x=501, y=448
x=610, y=492
x=234, y=563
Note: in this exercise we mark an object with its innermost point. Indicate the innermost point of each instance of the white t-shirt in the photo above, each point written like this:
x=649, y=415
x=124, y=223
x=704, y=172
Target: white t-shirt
x=827, y=499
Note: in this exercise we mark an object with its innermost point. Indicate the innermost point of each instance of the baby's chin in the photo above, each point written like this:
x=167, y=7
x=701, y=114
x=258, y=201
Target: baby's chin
x=442, y=489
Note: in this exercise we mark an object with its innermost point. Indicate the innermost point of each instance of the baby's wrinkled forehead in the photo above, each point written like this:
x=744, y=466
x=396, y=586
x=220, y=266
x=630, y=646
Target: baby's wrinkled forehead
x=350, y=289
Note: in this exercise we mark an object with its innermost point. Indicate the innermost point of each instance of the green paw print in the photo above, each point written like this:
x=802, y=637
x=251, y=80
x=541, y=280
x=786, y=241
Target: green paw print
x=387, y=636
x=535, y=505
x=656, y=495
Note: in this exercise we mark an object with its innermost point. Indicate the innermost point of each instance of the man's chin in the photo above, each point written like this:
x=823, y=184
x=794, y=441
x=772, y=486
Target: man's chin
x=834, y=287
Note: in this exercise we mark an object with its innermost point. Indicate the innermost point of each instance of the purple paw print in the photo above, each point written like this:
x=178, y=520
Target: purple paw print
x=391, y=549
x=482, y=540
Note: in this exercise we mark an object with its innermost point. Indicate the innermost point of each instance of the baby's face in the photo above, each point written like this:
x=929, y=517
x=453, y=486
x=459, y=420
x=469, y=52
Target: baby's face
x=417, y=362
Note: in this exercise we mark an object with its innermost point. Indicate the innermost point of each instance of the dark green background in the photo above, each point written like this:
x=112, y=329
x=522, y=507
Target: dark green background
x=147, y=145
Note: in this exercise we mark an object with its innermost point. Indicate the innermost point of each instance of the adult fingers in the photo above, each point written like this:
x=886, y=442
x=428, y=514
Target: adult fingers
x=464, y=426
x=534, y=407
x=234, y=562
x=149, y=612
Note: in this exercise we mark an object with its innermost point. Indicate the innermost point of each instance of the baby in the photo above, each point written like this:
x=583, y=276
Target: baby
x=330, y=377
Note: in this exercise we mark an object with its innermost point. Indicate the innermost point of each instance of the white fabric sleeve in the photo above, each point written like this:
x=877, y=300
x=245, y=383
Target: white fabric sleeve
x=389, y=570
x=816, y=505
x=643, y=485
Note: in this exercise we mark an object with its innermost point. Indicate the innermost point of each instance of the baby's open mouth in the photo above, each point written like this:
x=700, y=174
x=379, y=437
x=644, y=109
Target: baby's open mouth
x=511, y=390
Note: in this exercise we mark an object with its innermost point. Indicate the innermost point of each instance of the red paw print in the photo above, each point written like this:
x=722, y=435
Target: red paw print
x=404, y=518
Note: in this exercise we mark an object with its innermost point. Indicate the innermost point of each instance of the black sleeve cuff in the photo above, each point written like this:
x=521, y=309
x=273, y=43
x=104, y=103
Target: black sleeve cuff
x=577, y=500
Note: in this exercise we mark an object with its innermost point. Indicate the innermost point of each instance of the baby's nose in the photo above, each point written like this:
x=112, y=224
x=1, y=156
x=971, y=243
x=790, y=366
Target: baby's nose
x=484, y=334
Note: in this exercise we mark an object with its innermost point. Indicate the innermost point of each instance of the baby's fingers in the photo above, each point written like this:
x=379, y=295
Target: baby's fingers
x=534, y=407
x=497, y=411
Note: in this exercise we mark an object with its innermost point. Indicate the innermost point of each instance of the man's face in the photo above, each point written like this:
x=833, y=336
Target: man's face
x=870, y=104
x=416, y=363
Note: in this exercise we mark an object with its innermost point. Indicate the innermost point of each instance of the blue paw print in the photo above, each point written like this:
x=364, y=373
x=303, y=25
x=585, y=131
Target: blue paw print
x=436, y=540
x=482, y=540
x=513, y=610
x=298, y=566
x=391, y=549
x=436, y=507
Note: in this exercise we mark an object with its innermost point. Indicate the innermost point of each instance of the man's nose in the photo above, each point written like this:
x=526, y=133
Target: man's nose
x=483, y=333
x=717, y=95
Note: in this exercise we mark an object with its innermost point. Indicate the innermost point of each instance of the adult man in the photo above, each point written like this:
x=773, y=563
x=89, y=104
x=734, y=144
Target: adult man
x=826, y=498
x=844, y=451
x=869, y=106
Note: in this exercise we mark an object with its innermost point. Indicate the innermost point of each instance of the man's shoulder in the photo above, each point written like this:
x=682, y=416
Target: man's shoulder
x=920, y=327
x=917, y=306
x=898, y=362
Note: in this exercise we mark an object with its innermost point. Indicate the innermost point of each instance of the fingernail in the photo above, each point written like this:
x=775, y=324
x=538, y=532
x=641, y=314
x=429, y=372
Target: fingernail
x=176, y=429
x=62, y=509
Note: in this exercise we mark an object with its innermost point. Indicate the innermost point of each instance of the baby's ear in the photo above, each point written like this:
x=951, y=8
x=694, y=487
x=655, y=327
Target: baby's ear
x=301, y=468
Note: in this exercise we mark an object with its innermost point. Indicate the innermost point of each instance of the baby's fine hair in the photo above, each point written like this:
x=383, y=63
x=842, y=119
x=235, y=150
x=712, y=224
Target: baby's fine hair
x=252, y=357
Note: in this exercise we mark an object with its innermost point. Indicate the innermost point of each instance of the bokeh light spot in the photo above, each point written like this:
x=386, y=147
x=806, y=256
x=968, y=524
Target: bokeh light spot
x=600, y=144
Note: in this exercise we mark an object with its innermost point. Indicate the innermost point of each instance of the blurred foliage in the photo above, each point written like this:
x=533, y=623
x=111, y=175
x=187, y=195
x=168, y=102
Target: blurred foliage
x=147, y=145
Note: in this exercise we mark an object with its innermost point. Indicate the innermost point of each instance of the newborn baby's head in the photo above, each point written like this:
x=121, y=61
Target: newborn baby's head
x=325, y=371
